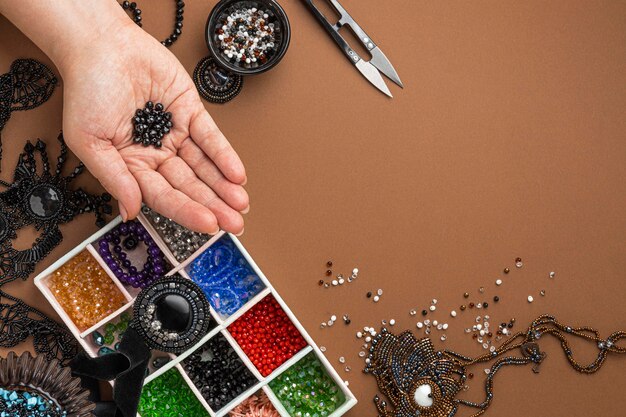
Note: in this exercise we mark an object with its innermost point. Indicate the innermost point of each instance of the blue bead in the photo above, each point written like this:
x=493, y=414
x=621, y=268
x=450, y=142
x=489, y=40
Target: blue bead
x=225, y=277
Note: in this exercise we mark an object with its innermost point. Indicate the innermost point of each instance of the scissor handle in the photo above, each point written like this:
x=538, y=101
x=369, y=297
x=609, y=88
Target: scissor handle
x=334, y=32
x=346, y=19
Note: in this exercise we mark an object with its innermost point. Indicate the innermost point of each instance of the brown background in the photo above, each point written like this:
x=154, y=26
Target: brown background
x=508, y=140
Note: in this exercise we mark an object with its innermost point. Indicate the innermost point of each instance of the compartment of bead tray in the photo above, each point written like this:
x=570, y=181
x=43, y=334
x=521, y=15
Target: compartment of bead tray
x=254, y=348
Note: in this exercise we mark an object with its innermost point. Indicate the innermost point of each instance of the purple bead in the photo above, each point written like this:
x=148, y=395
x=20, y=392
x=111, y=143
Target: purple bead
x=117, y=248
x=123, y=229
x=103, y=244
x=132, y=270
x=116, y=240
x=126, y=263
x=158, y=269
x=132, y=227
x=122, y=255
x=154, y=251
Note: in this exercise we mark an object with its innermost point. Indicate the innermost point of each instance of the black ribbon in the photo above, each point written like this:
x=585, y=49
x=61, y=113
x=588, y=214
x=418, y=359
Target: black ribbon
x=127, y=366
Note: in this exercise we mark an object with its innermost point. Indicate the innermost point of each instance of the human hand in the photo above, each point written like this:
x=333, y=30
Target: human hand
x=196, y=178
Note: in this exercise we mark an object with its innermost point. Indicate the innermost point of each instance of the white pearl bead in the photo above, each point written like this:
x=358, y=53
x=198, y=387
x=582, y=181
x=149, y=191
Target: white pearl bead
x=423, y=395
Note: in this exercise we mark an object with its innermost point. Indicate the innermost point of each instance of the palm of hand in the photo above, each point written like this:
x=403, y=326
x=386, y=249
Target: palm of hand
x=195, y=178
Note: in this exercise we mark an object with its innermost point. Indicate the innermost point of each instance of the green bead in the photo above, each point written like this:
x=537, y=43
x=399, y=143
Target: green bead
x=109, y=328
x=169, y=396
x=125, y=317
x=306, y=390
x=122, y=326
x=98, y=339
x=109, y=339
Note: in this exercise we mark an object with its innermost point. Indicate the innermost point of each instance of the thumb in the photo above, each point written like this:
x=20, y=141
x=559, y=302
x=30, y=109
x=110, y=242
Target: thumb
x=105, y=163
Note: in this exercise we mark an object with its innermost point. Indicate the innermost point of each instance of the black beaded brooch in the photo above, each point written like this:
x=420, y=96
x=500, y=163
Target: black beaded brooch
x=172, y=314
x=44, y=200
x=214, y=83
x=151, y=124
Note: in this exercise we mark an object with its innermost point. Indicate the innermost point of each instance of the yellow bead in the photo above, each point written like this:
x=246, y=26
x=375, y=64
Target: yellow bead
x=85, y=291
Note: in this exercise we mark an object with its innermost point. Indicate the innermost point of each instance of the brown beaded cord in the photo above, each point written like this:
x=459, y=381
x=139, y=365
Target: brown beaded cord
x=419, y=381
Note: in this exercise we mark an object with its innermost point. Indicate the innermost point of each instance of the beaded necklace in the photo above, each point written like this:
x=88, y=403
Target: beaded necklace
x=178, y=24
x=419, y=381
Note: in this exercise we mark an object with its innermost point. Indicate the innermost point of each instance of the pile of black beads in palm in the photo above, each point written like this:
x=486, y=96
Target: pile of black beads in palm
x=151, y=124
x=218, y=373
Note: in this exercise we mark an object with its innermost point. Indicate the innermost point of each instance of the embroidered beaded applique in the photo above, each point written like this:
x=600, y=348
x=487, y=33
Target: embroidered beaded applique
x=18, y=321
x=42, y=200
x=216, y=84
x=27, y=85
x=419, y=381
x=172, y=314
x=45, y=201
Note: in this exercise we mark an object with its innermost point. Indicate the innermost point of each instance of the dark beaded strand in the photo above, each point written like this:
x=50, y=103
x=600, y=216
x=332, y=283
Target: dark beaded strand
x=178, y=24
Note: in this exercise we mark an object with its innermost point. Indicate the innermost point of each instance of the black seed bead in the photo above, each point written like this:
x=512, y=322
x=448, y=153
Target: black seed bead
x=496, y=299
x=133, y=6
x=218, y=373
x=158, y=107
x=369, y=294
x=424, y=312
x=126, y=5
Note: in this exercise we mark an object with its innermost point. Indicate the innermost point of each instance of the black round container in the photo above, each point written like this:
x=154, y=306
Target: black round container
x=276, y=15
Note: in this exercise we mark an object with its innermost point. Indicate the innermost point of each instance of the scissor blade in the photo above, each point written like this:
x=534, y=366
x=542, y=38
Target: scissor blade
x=373, y=76
x=380, y=61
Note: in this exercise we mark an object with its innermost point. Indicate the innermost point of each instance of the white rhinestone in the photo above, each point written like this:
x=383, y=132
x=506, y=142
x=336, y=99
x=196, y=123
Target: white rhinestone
x=498, y=282
x=453, y=313
x=335, y=282
x=443, y=338
x=439, y=326
x=419, y=324
x=482, y=332
x=368, y=339
x=427, y=322
x=376, y=298
x=434, y=301
x=361, y=354
x=355, y=271
x=445, y=326
x=468, y=330
x=435, y=322
x=433, y=308
x=530, y=299
x=330, y=322
x=519, y=264
x=322, y=348
x=359, y=335
x=485, y=346
x=342, y=360
x=479, y=305
x=413, y=312
x=333, y=317
x=341, y=281
x=392, y=322
x=552, y=274
x=492, y=349
x=479, y=327
x=379, y=292
x=487, y=371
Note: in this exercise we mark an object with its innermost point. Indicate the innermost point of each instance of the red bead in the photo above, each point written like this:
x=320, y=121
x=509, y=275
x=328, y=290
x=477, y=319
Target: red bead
x=267, y=335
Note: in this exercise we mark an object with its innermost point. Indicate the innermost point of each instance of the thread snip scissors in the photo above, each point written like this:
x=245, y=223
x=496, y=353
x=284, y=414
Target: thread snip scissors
x=370, y=69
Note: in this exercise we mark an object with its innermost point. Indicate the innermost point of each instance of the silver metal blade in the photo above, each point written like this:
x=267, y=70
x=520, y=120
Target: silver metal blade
x=380, y=61
x=373, y=76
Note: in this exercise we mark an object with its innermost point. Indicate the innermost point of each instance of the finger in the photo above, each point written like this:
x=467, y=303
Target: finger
x=233, y=194
x=163, y=198
x=182, y=177
x=213, y=143
x=106, y=164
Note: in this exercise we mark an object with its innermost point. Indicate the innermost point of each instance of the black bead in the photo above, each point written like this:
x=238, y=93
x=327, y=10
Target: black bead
x=133, y=6
x=126, y=5
x=424, y=312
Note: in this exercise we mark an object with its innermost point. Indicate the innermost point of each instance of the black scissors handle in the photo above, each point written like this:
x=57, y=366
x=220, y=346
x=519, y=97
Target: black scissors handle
x=333, y=30
x=346, y=19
